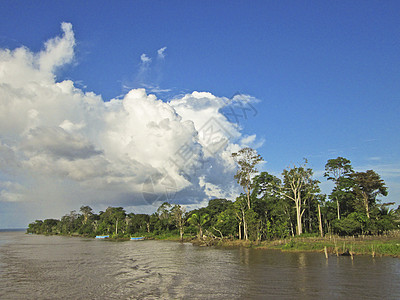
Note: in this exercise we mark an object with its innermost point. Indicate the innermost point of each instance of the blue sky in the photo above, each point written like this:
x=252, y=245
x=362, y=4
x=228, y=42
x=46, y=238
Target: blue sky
x=326, y=74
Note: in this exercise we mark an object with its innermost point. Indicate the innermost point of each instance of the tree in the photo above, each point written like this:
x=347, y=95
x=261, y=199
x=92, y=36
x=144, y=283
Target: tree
x=139, y=223
x=335, y=169
x=247, y=159
x=272, y=209
x=69, y=222
x=112, y=218
x=368, y=185
x=199, y=221
x=240, y=211
x=253, y=223
x=163, y=211
x=177, y=214
x=265, y=186
x=311, y=198
x=164, y=215
x=216, y=206
x=86, y=211
x=299, y=187
x=226, y=222
x=35, y=227
x=49, y=226
x=353, y=224
x=344, y=195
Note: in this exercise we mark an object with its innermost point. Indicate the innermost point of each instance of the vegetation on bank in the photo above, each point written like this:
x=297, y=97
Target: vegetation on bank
x=270, y=210
x=387, y=245
x=336, y=245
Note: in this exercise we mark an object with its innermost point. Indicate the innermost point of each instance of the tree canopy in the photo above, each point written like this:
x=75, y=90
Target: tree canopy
x=269, y=208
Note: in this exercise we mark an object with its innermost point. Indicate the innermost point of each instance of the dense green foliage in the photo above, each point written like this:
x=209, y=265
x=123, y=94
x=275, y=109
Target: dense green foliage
x=270, y=208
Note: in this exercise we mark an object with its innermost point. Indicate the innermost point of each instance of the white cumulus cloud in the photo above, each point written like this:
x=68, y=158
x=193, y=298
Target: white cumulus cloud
x=61, y=147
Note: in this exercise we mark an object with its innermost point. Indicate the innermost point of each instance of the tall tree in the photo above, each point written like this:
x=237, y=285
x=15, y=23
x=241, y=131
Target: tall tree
x=164, y=215
x=266, y=185
x=272, y=209
x=86, y=211
x=69, y=222
x=247, y=160
x=368, y=185
x=177, y=214
x=299, y=187
x=335, y=169
x=240, y=211
x=113, y=218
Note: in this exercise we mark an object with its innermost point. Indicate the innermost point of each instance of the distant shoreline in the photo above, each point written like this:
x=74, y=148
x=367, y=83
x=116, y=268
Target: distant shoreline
x=12, y=229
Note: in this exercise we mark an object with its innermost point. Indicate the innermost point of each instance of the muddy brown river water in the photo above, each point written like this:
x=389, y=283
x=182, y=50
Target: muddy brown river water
x=54, y=267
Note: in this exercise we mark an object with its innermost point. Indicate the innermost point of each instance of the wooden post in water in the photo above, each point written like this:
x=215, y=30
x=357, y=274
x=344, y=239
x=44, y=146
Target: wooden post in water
x=320, y=221
x=336, y=248
x=351, y=252
x=326, y=252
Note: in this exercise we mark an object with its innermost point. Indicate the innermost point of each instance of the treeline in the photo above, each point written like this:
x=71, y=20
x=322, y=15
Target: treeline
x=269, y=208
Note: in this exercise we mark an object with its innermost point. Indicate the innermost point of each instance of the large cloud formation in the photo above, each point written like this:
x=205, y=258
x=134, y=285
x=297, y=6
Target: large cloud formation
x=61, y=147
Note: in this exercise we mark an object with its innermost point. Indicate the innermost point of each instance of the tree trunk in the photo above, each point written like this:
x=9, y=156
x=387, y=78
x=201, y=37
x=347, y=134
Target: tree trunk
x=240, y=230
x=248, y=197
x=246, y=237
x=299, y=228
x=338, y=208
x=291, y=228
x=181, y=233
x=365, y=197
x=244, y=225
x=320, y=221
x=116, y=227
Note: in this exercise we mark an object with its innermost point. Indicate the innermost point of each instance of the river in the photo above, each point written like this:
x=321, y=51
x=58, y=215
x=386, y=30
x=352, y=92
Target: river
x=55, y=267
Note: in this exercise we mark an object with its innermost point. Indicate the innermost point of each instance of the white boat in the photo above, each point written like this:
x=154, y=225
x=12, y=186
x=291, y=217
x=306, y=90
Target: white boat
x=102, y=236
x=137, y=238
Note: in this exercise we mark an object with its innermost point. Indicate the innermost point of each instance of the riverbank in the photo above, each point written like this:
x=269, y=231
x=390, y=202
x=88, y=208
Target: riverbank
x=387, y=245
x=369, y=245
x=334, y=245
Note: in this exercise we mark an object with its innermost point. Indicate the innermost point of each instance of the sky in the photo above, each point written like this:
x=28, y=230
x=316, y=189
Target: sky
x=132, y=103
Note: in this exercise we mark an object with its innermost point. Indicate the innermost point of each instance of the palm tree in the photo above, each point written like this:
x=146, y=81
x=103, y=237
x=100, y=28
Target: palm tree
x=199, y=222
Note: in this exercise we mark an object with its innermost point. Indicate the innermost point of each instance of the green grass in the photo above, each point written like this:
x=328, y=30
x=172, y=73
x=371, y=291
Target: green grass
x=377, y=245
x=170, y=236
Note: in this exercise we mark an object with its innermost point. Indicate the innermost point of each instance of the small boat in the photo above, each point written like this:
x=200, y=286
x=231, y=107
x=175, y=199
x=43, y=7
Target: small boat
x=141, y=238
x=102, y=236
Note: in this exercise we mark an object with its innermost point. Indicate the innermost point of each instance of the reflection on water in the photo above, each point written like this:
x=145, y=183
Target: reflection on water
x=33, y=266
x=301, y=260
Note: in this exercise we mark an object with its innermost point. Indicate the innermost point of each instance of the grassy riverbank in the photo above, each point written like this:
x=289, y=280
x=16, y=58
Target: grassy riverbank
x=388, y=245
x=374, y=245
x=367, y=245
